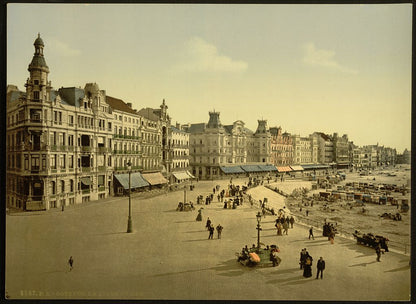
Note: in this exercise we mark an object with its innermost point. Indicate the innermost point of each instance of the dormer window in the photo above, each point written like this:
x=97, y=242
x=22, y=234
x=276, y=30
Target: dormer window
x=36, y=95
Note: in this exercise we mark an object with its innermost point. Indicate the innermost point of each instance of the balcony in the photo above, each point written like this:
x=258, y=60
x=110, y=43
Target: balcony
x=102, y=168
x=62, y=148
x=101, y=188
x=54, y=148
x=85, y=191
x=85, y=149
x=85, y=169
x=102, y=149
x=70, y=148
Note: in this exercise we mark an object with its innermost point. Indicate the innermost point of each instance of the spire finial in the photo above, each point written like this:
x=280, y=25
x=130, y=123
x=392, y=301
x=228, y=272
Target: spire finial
x=38, y=35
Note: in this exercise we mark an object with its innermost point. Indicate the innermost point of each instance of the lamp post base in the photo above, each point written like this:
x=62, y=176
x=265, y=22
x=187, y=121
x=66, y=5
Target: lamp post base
x=129, y=225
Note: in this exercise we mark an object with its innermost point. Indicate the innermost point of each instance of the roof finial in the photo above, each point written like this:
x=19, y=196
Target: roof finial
x=38, y=35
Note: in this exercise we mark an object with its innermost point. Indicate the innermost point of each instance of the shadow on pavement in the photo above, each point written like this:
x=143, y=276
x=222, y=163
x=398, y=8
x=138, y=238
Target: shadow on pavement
x=199, y=240
x=112, y=233
x=399, y=269
x=362, y=264
x=299, y=279
x=195, y=231
x=231, y=268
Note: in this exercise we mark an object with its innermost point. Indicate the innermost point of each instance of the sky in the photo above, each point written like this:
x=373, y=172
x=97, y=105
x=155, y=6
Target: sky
x=325, y=68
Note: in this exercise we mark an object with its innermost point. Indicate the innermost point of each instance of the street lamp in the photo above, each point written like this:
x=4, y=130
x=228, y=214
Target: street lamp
x=184, y=194
x=258, y=216
x=129, y=221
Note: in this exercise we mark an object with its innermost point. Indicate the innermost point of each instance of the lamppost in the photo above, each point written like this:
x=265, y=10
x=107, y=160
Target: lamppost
x=129, y=221
x=258, y=216
x=184, y=194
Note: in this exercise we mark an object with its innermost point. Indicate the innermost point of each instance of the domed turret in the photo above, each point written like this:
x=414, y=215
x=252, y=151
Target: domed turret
x=38, y=61
x=38, y=41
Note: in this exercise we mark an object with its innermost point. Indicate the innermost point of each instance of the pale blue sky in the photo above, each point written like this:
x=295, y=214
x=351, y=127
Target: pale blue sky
x=329, y=68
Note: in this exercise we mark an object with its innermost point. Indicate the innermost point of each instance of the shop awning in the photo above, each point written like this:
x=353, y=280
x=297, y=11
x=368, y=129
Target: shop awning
x=137, y=180
x=232, y=169
x=155, y=178
x=284, y=169
x=181, y=175
x=189, y=173
x=251, y=168
x=315, y=167
x=268, y=167
x=297, y=168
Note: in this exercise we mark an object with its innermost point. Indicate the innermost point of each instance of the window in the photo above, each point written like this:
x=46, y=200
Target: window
x=71, y=161
x=62, y=161
x=55, y=116
x=71, y=185
x=62, y=186
x=53, y=161
x=52, y=187
x=101, y=179
x=71, y=120
x=36, y=95
x=35, y=162
x=60, y=118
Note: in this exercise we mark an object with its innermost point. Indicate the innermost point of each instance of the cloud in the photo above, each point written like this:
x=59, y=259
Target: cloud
x=204, y=57
x=323, y=58
x=62, y=48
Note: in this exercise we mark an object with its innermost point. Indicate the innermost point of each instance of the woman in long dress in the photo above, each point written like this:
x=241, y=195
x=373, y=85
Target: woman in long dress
x=307, y=268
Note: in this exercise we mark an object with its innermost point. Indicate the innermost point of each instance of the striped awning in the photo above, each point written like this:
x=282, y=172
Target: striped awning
x=284, y=169
x=232, y=169
x=137, y=180
x=297, y=168
x=251, y=168
x=155, y=178
x=181, y=175
x=268, y=167
x=189, y=173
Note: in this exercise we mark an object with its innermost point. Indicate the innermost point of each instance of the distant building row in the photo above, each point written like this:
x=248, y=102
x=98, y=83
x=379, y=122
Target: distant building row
x=72, y=145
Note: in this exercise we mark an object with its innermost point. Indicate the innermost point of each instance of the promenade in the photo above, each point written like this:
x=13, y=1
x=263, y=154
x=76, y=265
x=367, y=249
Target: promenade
x=169, y=256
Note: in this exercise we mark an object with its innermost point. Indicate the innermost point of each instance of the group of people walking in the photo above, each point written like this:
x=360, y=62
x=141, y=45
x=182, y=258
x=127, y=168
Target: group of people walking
x=282, y=224
x=210, y=227
x=306, y=261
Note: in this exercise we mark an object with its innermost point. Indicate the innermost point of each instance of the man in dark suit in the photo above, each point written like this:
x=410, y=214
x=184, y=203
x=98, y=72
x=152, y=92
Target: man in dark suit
x=320, y=266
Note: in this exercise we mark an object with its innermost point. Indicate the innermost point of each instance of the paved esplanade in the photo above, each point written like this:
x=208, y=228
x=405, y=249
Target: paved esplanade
x=169, y=255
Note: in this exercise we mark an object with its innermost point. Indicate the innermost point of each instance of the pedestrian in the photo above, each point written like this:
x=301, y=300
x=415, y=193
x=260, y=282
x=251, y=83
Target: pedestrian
x=279, y=229
x=219, y=230
x=320, y=266
x=71, y=263
x=307, y=268
x=218, y=197
x=199, y=216
x=311, y=233
x=302, y=258
x=285, y=228
x=378, y=252
x=208, y=224
x=211, y=232
x=63, y=207
x=292, y=221
x=307, y=212
x=213, y=190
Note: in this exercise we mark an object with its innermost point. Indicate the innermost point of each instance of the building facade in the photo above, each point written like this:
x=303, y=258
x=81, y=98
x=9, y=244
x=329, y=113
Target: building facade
x=281, y=147
x=64, y=146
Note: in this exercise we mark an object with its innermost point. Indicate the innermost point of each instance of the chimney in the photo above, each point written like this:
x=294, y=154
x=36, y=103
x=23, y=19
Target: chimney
x=129, y=104
x=178, y=125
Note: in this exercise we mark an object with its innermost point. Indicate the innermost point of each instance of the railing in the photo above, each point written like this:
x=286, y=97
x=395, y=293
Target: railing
x=102, y=149
x=62, y=148
x=85, y=148
x=102, y=168
x=54, y=148
x=85, y=191
x=85, y=169
x=101, y=188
